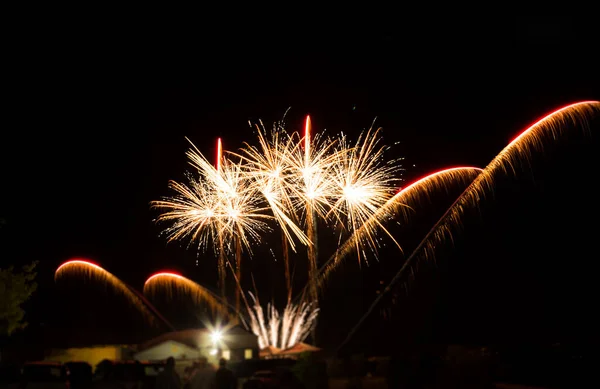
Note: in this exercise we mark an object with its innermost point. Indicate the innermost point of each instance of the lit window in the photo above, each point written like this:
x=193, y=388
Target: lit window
x=226, y=354
x=248, y=353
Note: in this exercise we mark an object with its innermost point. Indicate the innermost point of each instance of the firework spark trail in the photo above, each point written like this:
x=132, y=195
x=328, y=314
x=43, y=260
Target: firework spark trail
x=152, y=308
x=311, y=227
x=222, y=271
x=286, y=263
x=405, y=266
x=274, y=324
x=411, y=194
x=173, y=283
x=257, y=322
x=314, y=197
x=238, y=272
x=219, y=154
x=519, y=148
x=268, y=168
x=301, y=319
x=243, y=298
x=238, y=240
x=286, y=329
x=91, y=270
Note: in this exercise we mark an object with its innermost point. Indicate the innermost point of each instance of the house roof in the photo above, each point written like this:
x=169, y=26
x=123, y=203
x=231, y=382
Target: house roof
x=197, y=337
x=188, y=337
x=269, y=350
x=299, y=348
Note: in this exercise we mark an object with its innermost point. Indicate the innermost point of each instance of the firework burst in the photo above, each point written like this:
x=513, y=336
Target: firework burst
x=268, y=168
x=311, y=161
x=294, y=179
x=221, y=204
x=363, y=183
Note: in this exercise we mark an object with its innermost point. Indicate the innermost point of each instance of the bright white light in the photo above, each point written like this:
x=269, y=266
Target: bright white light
x=213, y=351
x=216, y=336
x=234, y=213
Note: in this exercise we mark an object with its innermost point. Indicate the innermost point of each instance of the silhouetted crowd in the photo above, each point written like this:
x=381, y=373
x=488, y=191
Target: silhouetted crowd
x=201, y=375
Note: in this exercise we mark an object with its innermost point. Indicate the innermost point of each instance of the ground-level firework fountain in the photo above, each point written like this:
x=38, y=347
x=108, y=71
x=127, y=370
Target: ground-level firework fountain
x=282, y=330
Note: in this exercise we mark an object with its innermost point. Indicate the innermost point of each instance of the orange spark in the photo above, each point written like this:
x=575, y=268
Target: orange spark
x=164, y=274
x=307, y=141
x=74, y=262
x=219, y=154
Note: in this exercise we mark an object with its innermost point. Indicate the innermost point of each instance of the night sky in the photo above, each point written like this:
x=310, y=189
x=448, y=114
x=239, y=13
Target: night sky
x=96, y=127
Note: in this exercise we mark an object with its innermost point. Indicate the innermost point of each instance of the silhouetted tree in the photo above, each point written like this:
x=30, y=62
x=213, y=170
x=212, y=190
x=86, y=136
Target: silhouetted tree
x=15, y=288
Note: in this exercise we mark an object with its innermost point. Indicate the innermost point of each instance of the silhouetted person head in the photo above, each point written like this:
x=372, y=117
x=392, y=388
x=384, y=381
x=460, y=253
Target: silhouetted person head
x=222, y=362
x=170, y=363
x=202, y=362
x=105, y=369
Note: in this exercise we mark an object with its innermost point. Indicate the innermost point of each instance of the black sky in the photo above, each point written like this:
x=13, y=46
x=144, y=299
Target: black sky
x=97, y=117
